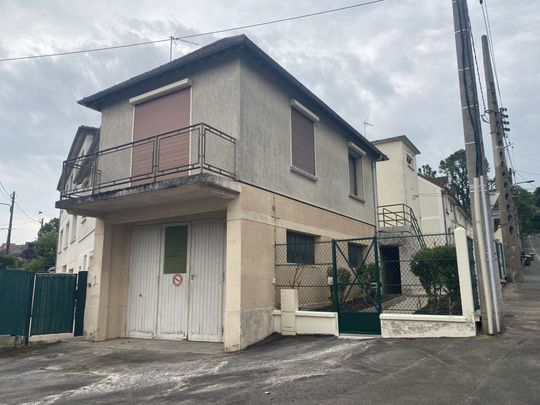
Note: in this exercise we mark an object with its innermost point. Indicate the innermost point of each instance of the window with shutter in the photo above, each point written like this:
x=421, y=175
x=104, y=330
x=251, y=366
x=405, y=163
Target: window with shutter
x=303, y=142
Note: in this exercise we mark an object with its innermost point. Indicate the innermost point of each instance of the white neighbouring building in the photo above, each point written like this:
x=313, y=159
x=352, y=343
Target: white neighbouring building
x=402, y=192
x=75, y=250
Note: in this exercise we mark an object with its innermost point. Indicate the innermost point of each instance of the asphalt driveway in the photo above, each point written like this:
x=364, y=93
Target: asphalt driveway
x=314, y=370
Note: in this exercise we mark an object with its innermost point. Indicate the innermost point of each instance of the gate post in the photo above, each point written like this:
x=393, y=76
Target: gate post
x=335, y=285
x=80, y=301
x=29, y=310
x=378, y=270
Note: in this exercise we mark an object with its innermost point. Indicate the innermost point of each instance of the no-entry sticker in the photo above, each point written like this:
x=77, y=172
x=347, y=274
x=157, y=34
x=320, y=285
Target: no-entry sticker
x=177, y=280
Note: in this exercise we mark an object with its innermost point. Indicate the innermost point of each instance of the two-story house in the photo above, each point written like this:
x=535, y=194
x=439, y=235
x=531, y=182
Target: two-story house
x=203, y=165
x=76, y=232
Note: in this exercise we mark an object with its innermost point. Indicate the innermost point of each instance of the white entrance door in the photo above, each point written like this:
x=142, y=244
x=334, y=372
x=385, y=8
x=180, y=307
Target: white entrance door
x=143, y=281
x=176, y=282
x=207, y=257
x=172, y=314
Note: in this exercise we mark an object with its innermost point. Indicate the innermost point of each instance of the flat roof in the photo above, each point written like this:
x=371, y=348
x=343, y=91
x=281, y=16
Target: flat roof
x=402, y=138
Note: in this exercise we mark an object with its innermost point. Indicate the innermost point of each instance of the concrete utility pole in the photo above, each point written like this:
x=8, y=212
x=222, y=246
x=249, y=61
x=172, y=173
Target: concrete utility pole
x=503, y=174
x=8, y=242
x=489, y=291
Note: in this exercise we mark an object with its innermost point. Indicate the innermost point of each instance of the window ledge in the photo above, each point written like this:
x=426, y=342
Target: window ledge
x=357, y=198
x=307, y=175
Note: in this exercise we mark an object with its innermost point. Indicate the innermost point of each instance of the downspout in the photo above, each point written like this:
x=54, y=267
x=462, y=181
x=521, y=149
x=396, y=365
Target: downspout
x=443, y=193
x=489, y=239
x=482, y=254
x=375, y=195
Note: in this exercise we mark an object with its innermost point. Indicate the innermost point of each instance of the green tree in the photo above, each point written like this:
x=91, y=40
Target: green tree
x=455, y=167
x=528, y=209
x=427, y=171
x=8, y=261
x=44, y=248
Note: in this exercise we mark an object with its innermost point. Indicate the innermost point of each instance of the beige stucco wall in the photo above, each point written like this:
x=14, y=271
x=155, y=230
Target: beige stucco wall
x=256, y=220
x=397, y=182
x=440, y=212
x=431, y=205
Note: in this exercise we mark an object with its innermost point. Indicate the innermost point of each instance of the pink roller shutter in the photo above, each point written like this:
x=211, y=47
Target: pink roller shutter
x=159, y=116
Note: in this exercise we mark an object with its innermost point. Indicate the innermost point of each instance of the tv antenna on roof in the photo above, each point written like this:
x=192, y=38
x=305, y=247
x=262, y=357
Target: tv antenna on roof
x=366, y=124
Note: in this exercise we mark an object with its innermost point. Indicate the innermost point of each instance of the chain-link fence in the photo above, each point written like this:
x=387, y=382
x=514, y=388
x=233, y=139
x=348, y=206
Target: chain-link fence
x=306, y=267
x=419, y=274
x=407, y=274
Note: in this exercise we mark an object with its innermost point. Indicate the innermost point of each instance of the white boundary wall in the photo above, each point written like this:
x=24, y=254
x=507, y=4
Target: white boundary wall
x=290, y=321
x=420, y=326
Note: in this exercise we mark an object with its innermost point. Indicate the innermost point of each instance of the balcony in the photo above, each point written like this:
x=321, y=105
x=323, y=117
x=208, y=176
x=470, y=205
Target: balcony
x=193, y=160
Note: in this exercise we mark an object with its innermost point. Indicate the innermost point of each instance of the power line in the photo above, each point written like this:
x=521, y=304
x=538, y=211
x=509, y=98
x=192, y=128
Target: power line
x=105, y=48
x=24, y=213
x=5, y=191
x=526, y=172
x=186, y=37
x=487, y=23
x=17, y=204
x=477, y=69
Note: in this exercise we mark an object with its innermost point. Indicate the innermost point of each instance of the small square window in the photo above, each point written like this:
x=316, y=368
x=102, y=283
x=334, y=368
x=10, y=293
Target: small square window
x=300, y=248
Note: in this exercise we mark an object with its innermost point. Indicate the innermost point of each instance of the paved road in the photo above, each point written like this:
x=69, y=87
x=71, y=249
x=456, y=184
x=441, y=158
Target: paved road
x=486, y=370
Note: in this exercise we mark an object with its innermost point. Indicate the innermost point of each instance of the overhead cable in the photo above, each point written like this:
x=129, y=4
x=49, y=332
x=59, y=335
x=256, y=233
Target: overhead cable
x=186, y=37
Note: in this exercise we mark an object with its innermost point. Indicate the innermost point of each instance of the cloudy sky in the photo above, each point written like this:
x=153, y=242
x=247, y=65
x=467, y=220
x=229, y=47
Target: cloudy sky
x=391, y=64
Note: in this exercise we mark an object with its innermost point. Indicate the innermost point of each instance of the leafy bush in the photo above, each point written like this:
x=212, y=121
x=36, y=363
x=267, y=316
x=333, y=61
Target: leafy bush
x=436, y=268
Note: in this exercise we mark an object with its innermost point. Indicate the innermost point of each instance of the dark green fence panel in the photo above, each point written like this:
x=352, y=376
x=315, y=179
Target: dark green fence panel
x=81, y=301
x=15, y=301
x=472, y=268
x=54, y=303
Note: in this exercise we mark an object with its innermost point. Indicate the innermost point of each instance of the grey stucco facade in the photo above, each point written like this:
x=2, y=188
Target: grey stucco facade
x=239, y=98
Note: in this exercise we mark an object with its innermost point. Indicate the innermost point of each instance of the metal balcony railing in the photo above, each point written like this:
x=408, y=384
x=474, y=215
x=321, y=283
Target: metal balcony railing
x=187, y=151
x=400, y=215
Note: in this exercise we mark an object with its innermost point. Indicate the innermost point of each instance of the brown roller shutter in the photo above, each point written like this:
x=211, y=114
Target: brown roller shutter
x=303, y=142
x=155, y=117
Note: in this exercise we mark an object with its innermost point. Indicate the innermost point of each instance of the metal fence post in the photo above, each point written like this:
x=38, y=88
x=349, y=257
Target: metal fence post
x=335, y=284
x=29, y=303
x=378, y=271
x=80, y=301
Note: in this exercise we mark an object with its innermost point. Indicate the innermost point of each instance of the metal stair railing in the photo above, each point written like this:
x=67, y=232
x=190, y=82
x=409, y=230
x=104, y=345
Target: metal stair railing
x=394, y=215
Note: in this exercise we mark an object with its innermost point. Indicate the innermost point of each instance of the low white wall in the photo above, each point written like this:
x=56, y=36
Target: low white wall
x=420, y=326
x=310, y=323
x=426, y=326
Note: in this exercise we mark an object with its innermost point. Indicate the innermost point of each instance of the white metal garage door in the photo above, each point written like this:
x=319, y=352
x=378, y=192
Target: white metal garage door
x=207, y=276
x=161, y=308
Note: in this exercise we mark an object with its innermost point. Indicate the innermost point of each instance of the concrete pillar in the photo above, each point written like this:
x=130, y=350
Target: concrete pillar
x=97, y=297
x=289, y=306
x=465, y=284
x=232, y=322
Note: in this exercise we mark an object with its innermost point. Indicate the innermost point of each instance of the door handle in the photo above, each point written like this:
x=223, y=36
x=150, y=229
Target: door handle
x=192, y=276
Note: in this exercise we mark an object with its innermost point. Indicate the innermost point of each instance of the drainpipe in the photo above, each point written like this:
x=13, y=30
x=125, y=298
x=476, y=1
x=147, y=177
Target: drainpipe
x=482, y=254
x=443, y=193
x=489, y=239
x=375, y=195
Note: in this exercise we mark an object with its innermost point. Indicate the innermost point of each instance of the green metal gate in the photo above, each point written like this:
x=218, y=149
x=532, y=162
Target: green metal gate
x=15, y=301
x=357, y=285
x=42, y=303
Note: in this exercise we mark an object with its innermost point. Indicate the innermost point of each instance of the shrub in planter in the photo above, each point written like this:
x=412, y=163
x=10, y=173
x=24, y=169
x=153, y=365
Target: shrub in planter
x=436, y=268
